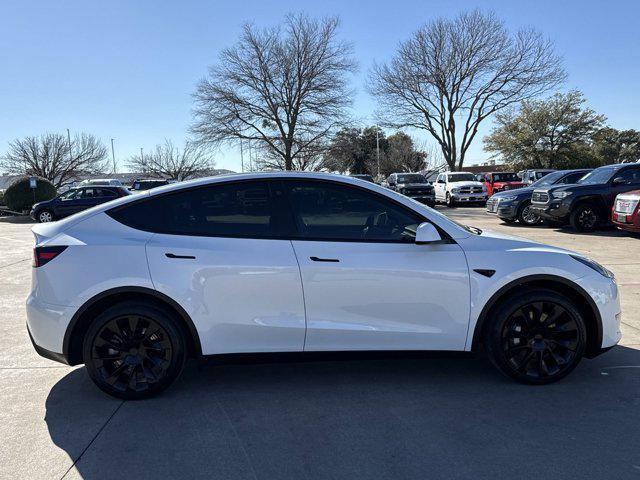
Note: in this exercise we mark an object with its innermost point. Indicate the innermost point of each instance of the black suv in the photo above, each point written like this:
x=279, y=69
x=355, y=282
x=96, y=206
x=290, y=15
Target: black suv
x=75, y=200
x=586, y=204
x=512, y=205
x=413, y=185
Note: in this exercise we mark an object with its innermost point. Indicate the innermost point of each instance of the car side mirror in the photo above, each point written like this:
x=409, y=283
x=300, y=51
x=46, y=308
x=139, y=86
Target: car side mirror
x=427, y=233
x=619, y=181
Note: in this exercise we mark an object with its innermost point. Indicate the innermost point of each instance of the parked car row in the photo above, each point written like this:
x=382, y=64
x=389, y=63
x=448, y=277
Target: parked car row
x=87, y=194
x=585, y=199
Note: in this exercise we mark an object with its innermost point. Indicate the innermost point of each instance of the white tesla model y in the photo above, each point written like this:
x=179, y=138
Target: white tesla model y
x=289, y=262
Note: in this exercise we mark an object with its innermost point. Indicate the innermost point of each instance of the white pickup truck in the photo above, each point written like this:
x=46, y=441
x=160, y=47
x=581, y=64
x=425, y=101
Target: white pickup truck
x=459, y=187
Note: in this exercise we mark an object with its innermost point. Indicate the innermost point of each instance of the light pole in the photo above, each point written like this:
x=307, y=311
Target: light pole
x=241, y=157
x=113, y=156
x=378, y=148
x=69, y=139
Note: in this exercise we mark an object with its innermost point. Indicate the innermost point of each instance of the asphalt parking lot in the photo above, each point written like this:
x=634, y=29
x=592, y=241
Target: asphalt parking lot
x=401, y=417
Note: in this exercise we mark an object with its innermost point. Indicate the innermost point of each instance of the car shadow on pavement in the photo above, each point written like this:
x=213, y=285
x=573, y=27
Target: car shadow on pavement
x=20, y=219
x=438, y=416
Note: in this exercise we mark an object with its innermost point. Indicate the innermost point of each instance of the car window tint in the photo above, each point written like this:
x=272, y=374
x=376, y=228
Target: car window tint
x=70, y=194
x=324, y=210
x=243, y=209
x=573, y=177
x=630, y=175
x=103, y=192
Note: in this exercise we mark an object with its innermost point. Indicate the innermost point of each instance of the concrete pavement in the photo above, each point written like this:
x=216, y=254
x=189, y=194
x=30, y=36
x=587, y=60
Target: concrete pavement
x=411, y=416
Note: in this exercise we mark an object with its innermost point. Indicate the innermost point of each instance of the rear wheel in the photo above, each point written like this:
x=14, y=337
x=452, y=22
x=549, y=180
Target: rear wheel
x=536, y=337
x=585, y=218
x=526, y=216
x=134, y=350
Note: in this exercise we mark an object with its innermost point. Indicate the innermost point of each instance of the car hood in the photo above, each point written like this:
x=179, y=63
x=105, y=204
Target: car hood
x=404, y=185
x=573, y=187
x=466, y=183
x=518, y=192
x=515, y=243
x=511, y=184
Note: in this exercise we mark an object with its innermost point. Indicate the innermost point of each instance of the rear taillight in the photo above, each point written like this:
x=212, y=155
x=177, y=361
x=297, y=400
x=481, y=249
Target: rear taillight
x=43, y=255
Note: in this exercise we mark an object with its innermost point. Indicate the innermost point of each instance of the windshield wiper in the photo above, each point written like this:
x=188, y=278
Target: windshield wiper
x=475, y=230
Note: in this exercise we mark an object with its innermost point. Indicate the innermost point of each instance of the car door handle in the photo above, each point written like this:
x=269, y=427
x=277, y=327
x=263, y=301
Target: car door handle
x=317, y=259
x=186, y=257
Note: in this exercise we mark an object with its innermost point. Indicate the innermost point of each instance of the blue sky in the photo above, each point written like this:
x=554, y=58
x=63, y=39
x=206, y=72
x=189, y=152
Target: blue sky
x=126, y=70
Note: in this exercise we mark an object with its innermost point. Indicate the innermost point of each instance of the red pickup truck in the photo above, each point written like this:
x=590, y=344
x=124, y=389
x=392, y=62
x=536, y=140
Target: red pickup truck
x=501, y=181
x=626, y=211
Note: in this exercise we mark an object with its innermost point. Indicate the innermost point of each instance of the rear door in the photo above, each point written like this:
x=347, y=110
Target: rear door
x=367, y=285
x=222, y=252
x=104, y=195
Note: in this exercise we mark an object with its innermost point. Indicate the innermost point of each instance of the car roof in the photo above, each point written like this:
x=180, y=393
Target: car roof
x=49, y=229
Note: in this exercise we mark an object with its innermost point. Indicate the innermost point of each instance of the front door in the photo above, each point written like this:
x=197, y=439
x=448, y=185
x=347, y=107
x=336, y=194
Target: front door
x=367, y=285
x=223, y=257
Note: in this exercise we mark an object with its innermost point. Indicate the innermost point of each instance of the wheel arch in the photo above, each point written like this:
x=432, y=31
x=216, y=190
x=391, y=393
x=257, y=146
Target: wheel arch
x=595, y=200
x=572, y=290
x=79, y=324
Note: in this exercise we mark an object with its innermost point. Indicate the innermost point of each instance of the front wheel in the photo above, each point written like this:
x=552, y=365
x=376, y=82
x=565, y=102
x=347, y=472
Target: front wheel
x=134, y=350
x=45, y=216
x=536, y=337
x=449, y=201
x=527, y=216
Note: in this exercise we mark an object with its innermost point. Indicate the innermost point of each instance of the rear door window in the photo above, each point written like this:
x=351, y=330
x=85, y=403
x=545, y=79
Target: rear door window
x=255, y=209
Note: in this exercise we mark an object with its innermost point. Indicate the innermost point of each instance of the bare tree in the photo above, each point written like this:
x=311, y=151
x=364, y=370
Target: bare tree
x=453, y=74
x=310, y=159
x=50, y=156
x=168, y=161
x=284, y=88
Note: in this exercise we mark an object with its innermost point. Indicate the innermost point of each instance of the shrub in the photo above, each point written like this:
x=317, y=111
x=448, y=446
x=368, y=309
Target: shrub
x=19, y=197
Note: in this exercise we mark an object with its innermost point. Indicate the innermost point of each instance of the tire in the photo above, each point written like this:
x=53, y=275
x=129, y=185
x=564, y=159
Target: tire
x=525, y=345
x=449, y=201
x=45, y=216
x=526, y=217
x=585, y=217
x=139, y=367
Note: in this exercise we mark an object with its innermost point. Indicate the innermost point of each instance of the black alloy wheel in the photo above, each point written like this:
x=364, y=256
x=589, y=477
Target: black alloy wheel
x=585, y=218
x=133, y=351
x=538, y=338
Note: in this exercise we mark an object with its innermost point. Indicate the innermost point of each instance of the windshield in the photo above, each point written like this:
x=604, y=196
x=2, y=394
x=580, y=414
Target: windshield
x=549, y=179
x=505, y=177
x=539, y=175
x=468, y=228
x=368, y=178
x=411, y=178
x=599, y=175
x=69, y=194
x=461, y=177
